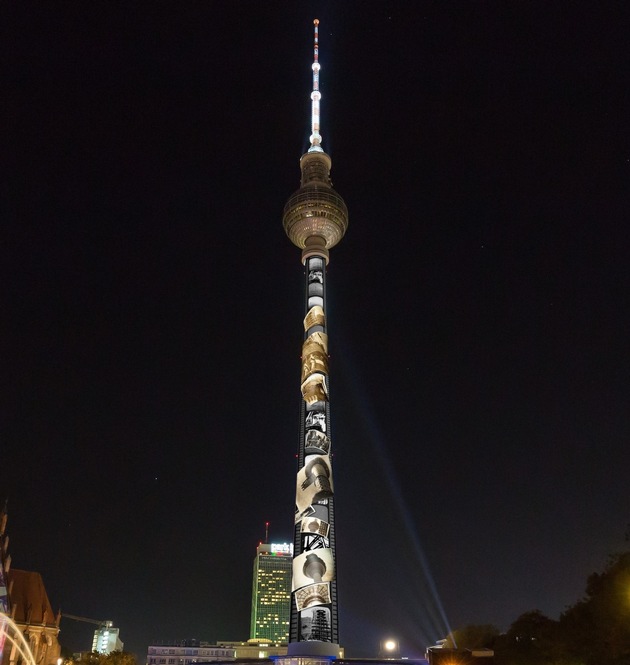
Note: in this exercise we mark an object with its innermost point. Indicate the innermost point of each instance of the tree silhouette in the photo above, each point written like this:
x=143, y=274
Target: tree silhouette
x=472, y=637
x=597, y=628
x=594, y=631
x=113, y=658
x=532, y=638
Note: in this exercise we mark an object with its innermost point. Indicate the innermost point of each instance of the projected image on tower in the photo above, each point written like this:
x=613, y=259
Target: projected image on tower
x=317, y=510
x=315, y=277
x=314, y=317
x=312, y=595
x=314, y=526
x=315, y=289
x=316, y=419
x=314, y=481
x=315, y=624
x=311, y=542
x=316, y=442
x=314, y=389
x=309, y=510
x=315, y=566
x=315, y=355
x=315, y=269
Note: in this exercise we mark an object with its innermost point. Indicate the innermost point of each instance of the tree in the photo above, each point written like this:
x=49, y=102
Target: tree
x=113, y=658
x=594, y=631
x=533, y=638
x=597, y=628
x=472, y=637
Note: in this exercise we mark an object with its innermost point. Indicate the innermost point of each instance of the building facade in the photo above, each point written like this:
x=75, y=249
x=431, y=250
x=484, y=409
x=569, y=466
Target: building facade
x=189, y=652
x=33, y=617
x=271, y=593
x=26, y=613
x=107, y=639
x=315, y=219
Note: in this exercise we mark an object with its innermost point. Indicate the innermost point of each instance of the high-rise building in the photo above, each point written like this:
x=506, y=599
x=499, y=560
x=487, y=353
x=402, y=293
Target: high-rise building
x=315, y=219
x=107, y=639
x=271, y=593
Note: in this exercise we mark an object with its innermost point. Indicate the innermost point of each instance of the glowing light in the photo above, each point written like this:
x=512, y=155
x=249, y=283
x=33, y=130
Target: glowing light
x=10, y=630
x=315, y=137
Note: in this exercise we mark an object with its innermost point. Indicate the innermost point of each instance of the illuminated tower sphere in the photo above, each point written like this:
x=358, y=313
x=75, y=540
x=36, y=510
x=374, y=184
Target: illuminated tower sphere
x=315, y=219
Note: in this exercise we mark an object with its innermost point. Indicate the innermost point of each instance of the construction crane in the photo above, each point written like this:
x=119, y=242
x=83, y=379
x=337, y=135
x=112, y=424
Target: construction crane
x=106, y=637
x=106, y=623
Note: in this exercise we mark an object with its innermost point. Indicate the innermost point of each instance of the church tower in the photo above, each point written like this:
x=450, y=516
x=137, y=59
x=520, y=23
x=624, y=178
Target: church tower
x=315, y=219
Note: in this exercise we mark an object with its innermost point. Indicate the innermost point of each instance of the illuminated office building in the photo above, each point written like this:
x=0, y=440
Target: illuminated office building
x=107, y=639
x=315, y=219
x=271, y=593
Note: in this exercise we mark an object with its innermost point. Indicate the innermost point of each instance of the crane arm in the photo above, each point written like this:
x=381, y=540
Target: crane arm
x=95, y=621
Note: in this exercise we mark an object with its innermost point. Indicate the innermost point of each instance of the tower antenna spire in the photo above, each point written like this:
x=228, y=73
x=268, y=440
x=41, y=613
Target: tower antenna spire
x=315, y=138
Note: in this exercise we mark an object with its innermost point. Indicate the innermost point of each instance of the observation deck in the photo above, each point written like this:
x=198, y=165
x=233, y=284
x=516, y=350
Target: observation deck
x=315, y=217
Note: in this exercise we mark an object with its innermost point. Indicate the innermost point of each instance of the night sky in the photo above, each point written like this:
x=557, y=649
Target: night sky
x=152, y=306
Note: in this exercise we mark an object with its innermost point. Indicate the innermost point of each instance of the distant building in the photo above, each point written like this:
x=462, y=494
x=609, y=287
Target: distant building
x=271, y=593
x=193, y=651
x=186, y=652
x=107, y=639
x=254, y=649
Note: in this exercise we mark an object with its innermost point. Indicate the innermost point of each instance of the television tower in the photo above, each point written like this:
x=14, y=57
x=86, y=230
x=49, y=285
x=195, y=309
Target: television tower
x=315, y=219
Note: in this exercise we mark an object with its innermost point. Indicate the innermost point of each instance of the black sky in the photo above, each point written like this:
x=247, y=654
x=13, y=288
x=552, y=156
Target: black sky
x=152, y=305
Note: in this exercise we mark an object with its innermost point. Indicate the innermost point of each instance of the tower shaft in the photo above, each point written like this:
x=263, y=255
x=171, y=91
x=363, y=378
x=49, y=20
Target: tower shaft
x=314, y=580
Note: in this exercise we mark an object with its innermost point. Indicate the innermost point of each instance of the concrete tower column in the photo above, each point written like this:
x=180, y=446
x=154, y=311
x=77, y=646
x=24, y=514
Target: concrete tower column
x=315, y=219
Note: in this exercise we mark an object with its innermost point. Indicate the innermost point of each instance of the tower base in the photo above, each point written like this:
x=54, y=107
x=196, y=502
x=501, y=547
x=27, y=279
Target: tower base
x=311, y=649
